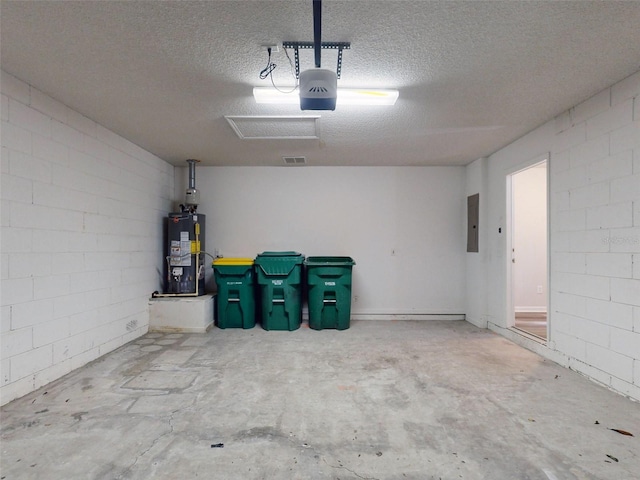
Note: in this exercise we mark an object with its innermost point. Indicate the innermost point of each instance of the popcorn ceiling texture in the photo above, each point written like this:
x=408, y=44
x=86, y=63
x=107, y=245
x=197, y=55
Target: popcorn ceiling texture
x=473, y=76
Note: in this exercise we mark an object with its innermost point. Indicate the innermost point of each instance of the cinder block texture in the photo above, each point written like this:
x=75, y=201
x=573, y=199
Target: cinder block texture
x=615, y=215
x=610, y=264
x=626, y=189
x=571, y=137
x=595, y=284
x=4, y=107
x=626, y=89
x=625, y=138
x=612, y=167
x=611, y=119
x=619, y=315
x=82, y=213
x=592, y=107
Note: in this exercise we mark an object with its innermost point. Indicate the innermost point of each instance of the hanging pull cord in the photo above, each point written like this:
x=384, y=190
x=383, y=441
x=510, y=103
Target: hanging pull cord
x=292, y=73
x=266, y=71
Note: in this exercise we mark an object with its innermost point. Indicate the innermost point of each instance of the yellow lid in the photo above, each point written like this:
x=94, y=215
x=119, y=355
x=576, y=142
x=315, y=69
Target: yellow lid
x=232, y=261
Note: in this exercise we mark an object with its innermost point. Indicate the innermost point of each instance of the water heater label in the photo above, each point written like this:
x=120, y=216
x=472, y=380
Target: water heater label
x=180, y=253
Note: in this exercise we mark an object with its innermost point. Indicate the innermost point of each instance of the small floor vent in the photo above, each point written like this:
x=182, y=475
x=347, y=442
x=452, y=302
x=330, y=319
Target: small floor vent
x=295, y=160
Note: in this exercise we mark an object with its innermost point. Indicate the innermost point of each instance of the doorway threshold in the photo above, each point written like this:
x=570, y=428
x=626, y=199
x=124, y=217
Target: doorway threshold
x=529, y=335
x=534, y=323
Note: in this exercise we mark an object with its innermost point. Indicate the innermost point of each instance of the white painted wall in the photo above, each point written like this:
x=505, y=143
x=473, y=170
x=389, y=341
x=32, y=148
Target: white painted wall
x=364, y=213
x=594, y=236
x=529, y=216
x=81, y=247
x=476, y=310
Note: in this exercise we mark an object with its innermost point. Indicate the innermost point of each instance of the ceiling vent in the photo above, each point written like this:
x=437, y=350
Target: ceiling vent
x=256, y=127
x=295, y=160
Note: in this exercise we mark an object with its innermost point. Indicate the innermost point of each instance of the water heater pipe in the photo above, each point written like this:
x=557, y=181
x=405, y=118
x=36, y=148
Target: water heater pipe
x=192, y=196
x=192, y=172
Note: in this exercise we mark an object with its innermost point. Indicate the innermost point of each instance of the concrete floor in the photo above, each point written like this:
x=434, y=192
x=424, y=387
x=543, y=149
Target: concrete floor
x=382, y=400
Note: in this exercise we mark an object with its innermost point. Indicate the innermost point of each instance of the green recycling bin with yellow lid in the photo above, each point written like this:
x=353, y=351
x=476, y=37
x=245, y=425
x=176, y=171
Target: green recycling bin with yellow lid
x=279, y=279
x=235, y=302
x=329, y=291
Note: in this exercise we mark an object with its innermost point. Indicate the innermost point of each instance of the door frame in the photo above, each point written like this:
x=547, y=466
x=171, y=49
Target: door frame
x=509, y=173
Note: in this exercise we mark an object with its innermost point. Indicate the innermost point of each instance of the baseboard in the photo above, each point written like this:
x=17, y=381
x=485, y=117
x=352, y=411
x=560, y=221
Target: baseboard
x=407, y=316
x=478, y=322
x=386, y=315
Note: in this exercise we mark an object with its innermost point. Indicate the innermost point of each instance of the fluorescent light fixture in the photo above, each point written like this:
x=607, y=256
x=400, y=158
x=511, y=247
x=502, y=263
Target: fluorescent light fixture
x=346, y=96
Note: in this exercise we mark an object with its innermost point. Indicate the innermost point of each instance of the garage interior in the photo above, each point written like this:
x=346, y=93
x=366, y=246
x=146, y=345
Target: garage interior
x=102, y=103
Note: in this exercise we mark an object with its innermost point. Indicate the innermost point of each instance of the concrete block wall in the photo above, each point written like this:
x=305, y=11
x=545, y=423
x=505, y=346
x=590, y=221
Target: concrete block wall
x=595, y=240
x=81, y=245
x=594, y=237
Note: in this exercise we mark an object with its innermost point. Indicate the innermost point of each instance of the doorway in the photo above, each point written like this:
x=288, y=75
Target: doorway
x=528, y=251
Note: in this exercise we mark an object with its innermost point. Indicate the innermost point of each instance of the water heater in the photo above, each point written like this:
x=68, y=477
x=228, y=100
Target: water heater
x=185, y=244
x=185, y=257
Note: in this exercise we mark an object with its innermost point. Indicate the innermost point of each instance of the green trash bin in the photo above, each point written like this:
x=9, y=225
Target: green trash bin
x=235, y=303
x=279, y=278
x=329, y=284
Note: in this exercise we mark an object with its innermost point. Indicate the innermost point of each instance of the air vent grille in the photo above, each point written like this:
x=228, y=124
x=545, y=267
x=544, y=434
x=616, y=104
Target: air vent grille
x=318, y=90
x=294, y=160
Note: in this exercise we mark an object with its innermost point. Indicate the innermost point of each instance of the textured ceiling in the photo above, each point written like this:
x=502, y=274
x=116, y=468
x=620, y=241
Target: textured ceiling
x=473, y=76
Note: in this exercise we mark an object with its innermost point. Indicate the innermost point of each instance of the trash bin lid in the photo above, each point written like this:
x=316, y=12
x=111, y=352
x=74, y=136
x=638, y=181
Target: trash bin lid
x=329, y=261
x=232, y=261
x=279, y=263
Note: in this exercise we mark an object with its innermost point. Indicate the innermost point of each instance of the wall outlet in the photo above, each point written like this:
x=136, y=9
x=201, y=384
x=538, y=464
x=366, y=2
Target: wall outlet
x=539, y=288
